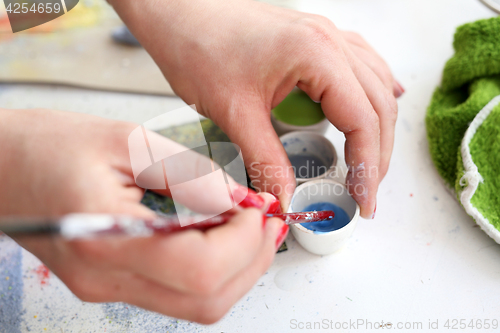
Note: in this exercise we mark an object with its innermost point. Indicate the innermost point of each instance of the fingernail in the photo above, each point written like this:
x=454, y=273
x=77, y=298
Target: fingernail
x=264, y=219
x=274, y=207
x=281, y=236
x=398, y=89
x=247, y=197
x=402, y=88
x=374, y=211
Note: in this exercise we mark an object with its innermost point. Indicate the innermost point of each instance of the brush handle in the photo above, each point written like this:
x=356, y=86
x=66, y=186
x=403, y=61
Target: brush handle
x=85, y=225
x=304, y=217
x=89, y=226
x=74, y=226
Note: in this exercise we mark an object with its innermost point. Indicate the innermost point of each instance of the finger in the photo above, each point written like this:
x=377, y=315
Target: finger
x=356, y=39
x=272, y=204
x=376, y=64
x=190, y=261
x=368, y=55
x=398, y=89
x=118, y=196
x=265, y=158
x=386, y=107
x=346, y=105
x=380, y=68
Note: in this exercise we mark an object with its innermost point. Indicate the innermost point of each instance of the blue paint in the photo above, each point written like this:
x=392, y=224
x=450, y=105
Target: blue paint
x=307, y=165
x=340, y=220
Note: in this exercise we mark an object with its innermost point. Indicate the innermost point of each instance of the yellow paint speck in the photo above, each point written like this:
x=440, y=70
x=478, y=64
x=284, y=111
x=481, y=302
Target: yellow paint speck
x=34, y=316
x=7, y=278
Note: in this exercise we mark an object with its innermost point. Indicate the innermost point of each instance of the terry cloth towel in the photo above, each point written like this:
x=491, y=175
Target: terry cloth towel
x=463, y=123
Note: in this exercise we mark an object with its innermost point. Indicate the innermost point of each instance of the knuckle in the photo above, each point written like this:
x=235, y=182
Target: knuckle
x=205, y=286
x=318, y=29
x=374, y=122
x=211, y=311
x=324, y=20
x=392, y=113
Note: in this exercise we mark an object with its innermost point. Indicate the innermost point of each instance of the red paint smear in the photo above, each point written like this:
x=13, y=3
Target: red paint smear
x=411, y=194
x=43, y=273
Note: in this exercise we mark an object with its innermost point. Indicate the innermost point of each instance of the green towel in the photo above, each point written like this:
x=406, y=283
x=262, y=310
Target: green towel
x=463, y=123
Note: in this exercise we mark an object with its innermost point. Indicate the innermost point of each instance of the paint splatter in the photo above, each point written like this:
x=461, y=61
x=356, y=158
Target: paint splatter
x=43, y=274
x=130, y=318
x=288, y=278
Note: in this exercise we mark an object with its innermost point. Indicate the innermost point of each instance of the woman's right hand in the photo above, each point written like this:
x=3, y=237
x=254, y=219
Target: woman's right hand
x=237, y=59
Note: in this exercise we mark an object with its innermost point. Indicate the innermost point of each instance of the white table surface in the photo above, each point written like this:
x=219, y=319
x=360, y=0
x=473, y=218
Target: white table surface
x=422, y=259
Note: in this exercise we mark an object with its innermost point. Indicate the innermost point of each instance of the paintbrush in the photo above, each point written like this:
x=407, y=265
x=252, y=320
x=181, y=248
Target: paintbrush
x=76, y=226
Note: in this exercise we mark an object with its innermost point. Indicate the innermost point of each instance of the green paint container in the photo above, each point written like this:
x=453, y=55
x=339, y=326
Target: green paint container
x=299, y=110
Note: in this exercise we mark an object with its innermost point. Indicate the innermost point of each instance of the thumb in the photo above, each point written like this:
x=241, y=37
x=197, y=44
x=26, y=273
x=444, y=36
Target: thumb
x=265, y=158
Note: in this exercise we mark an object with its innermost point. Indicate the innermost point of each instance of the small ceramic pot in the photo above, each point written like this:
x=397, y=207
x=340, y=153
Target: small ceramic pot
x=323, y=191
x=298, y=101
x=307, y=143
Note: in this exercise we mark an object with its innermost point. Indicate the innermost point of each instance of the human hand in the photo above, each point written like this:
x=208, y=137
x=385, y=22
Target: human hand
x=237, y=60
x=57, y=163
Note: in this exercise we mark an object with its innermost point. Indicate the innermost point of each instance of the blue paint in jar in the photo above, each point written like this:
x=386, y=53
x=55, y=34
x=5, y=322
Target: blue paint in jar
x=340, y=220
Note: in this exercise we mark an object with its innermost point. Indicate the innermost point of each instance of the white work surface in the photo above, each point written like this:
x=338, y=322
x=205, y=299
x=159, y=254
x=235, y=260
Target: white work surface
x=421, y=260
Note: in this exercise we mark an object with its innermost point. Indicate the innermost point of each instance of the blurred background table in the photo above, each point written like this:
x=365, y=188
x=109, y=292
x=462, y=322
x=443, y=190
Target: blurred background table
x=422, y=259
